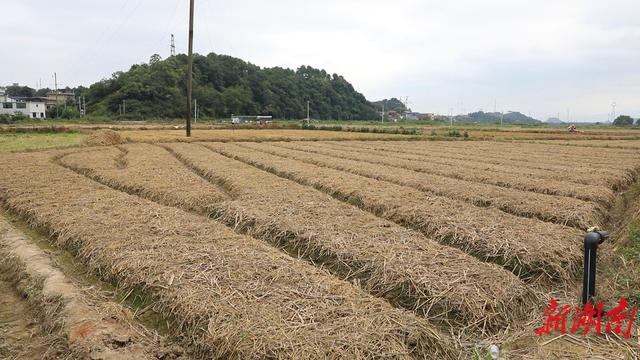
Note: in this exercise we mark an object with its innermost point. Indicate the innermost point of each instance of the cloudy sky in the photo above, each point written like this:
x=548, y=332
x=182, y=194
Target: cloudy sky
x=543, y=58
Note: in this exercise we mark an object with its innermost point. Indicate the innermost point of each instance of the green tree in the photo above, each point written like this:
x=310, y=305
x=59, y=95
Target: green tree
x=20, y=91
x=623, y=120
x=224, y=85
x=392, y=104
x=154, y=59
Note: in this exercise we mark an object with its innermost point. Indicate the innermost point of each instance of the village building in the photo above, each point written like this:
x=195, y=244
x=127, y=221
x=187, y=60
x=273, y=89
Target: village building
x=34, y=108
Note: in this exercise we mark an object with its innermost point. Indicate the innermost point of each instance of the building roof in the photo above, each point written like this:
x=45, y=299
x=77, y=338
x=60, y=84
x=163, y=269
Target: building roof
x=27, y=98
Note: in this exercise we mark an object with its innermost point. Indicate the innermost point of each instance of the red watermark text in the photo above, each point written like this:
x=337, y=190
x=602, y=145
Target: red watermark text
x=573, y=319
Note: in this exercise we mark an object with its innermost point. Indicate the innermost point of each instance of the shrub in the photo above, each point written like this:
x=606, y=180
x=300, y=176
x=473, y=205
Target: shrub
x=6, y=119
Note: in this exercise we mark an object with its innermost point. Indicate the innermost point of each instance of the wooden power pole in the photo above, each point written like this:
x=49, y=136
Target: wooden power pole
x=190, y=69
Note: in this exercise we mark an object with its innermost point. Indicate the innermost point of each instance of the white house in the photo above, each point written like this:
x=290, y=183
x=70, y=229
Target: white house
x=34, y=108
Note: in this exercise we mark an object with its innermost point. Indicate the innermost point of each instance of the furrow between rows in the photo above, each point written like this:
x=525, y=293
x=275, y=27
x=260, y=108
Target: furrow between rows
x=598, y=194
x=561, y=210
x=614, y=179
x=489, y=234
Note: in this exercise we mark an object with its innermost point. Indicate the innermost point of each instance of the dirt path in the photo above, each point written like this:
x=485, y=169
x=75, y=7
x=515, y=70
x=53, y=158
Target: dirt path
x=18, y=327
x=40, y=305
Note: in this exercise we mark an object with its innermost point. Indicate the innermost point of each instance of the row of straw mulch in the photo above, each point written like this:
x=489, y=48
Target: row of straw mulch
x=561, y=210
x=534, y=147
x=549, y=154
x=615, y=181
x=143, y=169
x=599, y=194
x=489, y=234
x=545, y=160
x=230, y=296
x=388, y=260
x=526, y=179
x=272, y=221
x=523, y=154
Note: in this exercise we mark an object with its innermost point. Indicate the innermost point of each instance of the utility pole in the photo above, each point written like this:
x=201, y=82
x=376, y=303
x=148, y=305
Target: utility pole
x=451, y=117
x=173, y=47
x=190, y=69
x=124, y=107
x=382, y=115
x=613, y=111
x=195, y=111
x=308, y=118
x=55, y=81
x=83, y=106
x=502, y=117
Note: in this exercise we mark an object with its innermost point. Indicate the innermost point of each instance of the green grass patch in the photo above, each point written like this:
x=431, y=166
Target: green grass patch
x=631, y=276
x=631, y=252
x=11, y=142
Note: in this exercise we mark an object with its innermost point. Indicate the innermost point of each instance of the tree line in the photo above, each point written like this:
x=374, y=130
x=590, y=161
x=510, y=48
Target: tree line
x=625, y=120
x=224, y=85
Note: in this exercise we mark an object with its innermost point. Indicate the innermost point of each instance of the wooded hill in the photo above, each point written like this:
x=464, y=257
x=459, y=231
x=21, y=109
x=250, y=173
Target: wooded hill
x=392, y=104
x=510, y=117
x=224, y=85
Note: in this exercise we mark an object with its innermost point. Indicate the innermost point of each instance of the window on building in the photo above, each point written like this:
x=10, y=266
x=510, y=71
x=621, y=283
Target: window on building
x=7, y=105
x=42, y=115
x=35, y=115
x=21, y=105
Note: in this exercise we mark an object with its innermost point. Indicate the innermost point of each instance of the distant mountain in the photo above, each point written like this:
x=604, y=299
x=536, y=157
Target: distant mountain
x=511, y=117
x=554, y=120
x=392, y=104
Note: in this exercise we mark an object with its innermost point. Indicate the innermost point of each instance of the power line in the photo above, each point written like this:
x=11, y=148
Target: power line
x=107, y=36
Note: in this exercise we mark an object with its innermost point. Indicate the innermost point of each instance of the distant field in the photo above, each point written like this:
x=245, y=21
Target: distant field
x=332, y=249
x=35, y=136
x=249, y=135
x=27, y=141
x=36, y=141
x=621, y=144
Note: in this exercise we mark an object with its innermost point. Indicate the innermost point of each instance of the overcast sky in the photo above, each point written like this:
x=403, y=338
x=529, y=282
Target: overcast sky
x=543, y=58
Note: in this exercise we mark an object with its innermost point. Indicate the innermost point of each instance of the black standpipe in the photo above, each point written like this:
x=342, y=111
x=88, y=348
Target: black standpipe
x=591, y=242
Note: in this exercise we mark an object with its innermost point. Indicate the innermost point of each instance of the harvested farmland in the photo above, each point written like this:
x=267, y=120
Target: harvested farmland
x=82, y=324
x=550, y=154
x=561, y=210
x=388, y=260
x=600, y=194
x=609, y=178
x=254, y=210
x=309, y=249
x=229, y=296
x=150, y=171
x=515, y=156
x=486, y=233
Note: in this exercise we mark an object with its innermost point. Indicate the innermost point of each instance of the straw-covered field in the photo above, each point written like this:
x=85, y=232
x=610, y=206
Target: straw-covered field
x=326, y=249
